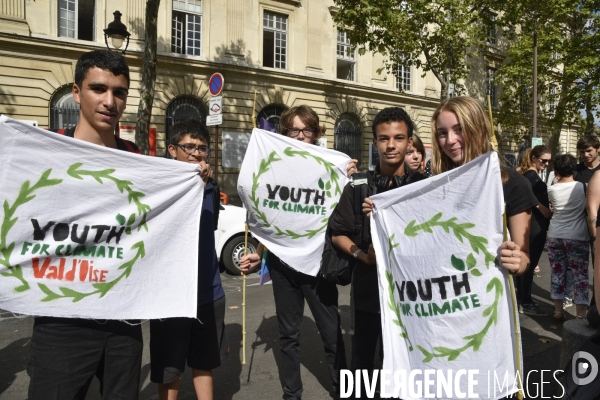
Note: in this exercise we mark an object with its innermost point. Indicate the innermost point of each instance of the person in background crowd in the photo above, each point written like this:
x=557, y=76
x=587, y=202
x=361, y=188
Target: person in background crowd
x=292, y=288
x=587, y=147
x=415, y=155
x=593, y=209
x=461, y=131
x=568, y=237
x=534, y=162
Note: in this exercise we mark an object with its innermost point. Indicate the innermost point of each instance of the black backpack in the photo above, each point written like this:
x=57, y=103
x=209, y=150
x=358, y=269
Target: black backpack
x=337, y=266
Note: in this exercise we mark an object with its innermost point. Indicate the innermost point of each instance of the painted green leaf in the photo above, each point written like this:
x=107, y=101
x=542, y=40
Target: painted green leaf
x=471, y=262
x=475, y=272
x=457, y=263
x=321, y=184
x=328, y=193
x=328, y=185
x=128, y=230
x=120, y=219
x=131, y=219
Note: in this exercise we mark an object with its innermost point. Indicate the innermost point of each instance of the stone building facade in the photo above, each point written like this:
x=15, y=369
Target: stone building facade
x=287, y=52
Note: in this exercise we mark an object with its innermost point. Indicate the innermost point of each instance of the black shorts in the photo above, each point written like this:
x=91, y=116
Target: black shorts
x=202, y=342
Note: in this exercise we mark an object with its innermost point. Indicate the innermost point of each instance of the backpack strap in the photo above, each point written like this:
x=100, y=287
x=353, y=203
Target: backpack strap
x=360, y=184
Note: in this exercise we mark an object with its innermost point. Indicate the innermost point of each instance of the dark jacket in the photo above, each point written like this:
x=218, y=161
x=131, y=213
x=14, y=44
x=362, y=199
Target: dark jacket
x=365, y=288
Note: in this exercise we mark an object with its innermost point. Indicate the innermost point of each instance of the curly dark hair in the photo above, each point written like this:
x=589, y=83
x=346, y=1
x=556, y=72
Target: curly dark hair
x=564, y=165
x=103, y=59
x=392, y=114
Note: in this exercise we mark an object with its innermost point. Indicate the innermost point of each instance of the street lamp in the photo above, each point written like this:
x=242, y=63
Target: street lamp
x=117, y=32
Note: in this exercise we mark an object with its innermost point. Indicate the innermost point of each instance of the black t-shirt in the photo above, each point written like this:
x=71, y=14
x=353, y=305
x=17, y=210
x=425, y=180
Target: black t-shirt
x=518, y=195
x=540, y=191
x=365, y=287
x=583, y=174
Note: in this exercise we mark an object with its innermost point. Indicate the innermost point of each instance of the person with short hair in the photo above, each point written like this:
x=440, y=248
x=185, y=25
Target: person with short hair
x=415, y=155
x=587, y=147
x=66, y=353
x=568, y=237
x=392, y=136
x=200, y=341
x=292, y=288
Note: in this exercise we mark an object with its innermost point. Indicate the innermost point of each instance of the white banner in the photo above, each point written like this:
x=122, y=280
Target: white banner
x=446, y=304
x=290, y=189
x=92, y=232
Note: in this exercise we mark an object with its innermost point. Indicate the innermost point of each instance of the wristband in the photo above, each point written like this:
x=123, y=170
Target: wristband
x=357, y=252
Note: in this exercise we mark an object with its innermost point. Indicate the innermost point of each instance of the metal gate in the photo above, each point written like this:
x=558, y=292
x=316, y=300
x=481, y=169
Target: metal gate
x=348, y=136
x=183, y=108
x=63, y=117
x=271, y=113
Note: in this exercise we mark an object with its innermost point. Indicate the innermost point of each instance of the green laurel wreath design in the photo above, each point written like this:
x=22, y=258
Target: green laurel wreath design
x=265, y=165
x=25, y=195
x=392, y=304
x=477, y=244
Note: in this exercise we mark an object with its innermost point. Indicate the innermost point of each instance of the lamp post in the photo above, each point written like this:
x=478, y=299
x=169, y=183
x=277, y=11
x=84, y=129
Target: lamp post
x=117, y=32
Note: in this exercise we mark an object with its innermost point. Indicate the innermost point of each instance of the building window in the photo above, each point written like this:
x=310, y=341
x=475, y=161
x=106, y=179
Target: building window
x=64, y=112
x=490, y=86
x=346, y=58
x=347, y=136
x=77, y=19
x=552, y=101
x=269, y=117
x=274, y=40
x=491, y=31
x=183, y=108
x=403, y=78
x=186, y=28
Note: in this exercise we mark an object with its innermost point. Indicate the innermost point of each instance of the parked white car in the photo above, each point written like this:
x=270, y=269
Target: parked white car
x=229, y=238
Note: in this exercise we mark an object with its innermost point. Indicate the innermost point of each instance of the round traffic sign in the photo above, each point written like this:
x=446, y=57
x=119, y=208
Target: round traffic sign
x=215, y=84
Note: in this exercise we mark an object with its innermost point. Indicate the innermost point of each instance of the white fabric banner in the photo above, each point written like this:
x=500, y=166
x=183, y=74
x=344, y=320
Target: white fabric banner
x=290, y=189
x=446, y=304
x=93, y=232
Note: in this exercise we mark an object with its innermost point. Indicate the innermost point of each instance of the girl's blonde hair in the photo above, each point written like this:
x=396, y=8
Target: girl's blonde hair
x=476, y=129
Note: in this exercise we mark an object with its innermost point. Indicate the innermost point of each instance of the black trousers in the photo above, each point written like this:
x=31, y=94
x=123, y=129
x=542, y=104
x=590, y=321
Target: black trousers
x=291, y=289
x=524, y=282
x=66, y=354
x=367, y=333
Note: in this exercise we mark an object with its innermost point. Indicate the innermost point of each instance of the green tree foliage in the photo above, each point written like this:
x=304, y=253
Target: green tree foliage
x=568, y=65
x=434, y=35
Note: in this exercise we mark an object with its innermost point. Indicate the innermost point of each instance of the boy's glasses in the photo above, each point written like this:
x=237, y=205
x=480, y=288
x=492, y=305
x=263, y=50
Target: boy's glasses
x=293, y=132
x=189, y=149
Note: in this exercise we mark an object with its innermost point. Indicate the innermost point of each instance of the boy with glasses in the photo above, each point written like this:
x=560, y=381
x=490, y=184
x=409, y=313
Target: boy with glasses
x=201, y=342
